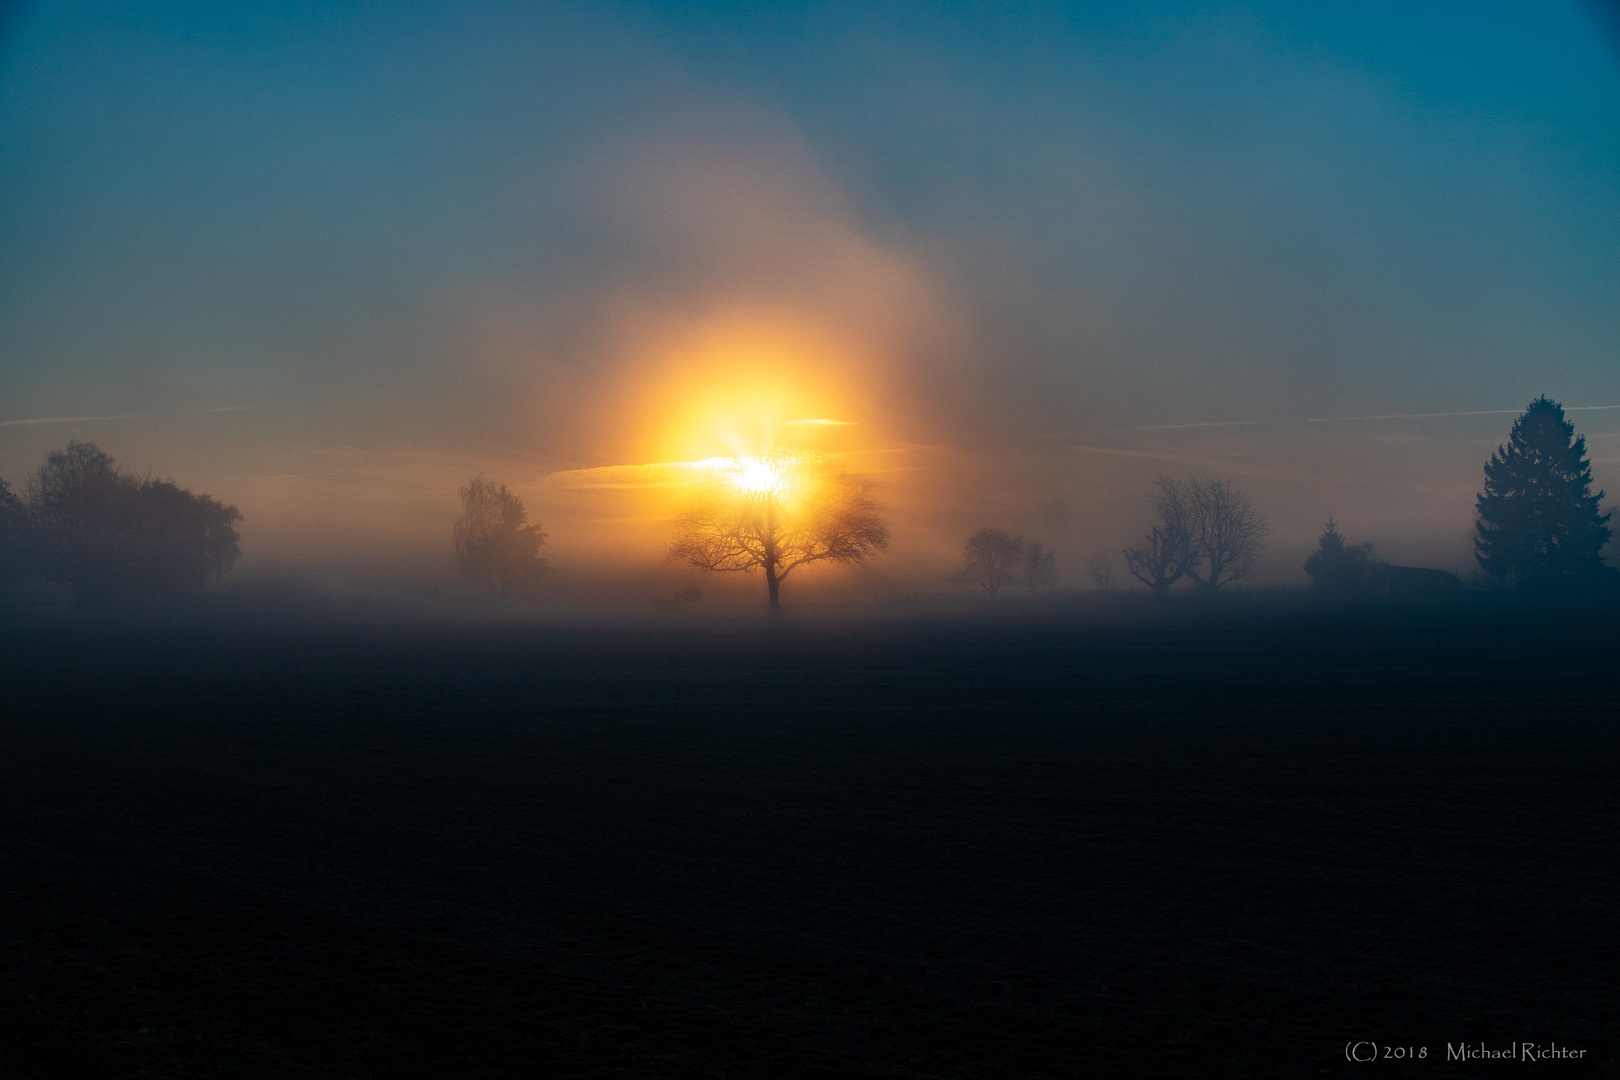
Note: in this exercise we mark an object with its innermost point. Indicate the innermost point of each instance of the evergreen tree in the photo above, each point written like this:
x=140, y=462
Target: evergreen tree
x=1339, y=569
x=1538, y=519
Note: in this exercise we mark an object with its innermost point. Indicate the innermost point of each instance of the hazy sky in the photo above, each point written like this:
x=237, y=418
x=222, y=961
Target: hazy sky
x=1015, y=247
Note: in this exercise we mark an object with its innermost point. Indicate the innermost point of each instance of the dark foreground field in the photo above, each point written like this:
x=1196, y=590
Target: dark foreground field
x=1185, y=844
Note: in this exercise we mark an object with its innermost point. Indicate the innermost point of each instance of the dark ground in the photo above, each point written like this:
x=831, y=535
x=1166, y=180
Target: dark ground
x=1182, y=844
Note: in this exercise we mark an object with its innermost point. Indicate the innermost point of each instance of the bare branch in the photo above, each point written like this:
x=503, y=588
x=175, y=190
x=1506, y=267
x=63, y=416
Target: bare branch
x=991, y=559
x=1170, y=549
x=816, y=515
x=1229, y=534
x=1039, y=567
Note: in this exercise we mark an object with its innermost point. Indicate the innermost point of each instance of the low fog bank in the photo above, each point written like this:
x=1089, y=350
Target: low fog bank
x=1011, y=531
x=650, y=606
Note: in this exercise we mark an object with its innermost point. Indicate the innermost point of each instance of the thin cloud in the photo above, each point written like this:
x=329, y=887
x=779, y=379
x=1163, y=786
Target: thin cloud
x=655, y=475
x=1345, y=419
x=70, y=419
x=1186, y=459
x=32, y=421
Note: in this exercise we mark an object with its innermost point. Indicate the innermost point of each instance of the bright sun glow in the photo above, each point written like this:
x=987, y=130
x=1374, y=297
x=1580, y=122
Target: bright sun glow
x=741, y=383
x=777, y=475
x=757, y=476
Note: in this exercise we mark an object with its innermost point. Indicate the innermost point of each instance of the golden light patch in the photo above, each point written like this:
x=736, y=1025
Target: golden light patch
x=756, y=476
x=741, y=385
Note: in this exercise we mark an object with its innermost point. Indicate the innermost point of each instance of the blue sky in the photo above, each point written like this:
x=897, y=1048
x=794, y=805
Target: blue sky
x=436, y=231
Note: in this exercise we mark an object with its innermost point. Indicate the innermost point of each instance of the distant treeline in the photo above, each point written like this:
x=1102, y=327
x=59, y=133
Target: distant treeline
x=1538, y=527
x=1538, y=524
x=112, y=537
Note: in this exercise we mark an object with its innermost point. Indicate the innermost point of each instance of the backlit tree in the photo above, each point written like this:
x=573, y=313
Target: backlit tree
x=777, y=512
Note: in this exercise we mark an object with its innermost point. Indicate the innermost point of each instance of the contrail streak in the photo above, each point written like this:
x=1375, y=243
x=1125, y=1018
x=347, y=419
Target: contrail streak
x=1186, y=459
x=69, y=419
x=1374, y=416
x=117, y=416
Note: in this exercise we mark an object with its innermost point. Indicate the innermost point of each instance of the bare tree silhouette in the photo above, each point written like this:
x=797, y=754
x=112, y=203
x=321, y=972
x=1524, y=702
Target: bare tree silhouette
x=992, y=559
x=1100, y=569
x=496, y=550
x=777, y=512
x=1228, y=534
x=1170, y=548
x=1039, y=567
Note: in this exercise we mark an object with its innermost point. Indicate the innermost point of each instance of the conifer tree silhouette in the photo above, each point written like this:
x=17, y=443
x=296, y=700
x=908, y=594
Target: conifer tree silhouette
x=1538, y=519
x=1341, y=569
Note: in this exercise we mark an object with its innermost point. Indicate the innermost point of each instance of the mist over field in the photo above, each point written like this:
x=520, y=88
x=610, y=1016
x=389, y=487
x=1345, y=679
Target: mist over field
x=327, y=263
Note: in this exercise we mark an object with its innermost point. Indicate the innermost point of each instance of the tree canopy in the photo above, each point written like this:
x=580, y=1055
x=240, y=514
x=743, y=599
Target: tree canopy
x=1100, y=569
x=1039, y=567
x=1163, y=556
x=13, y=534
x=1538, y=520
x=1206, y=531
x=497, y=551
x=777, y=512
x=992, y=559
x=112, y=536
x=1228, y=535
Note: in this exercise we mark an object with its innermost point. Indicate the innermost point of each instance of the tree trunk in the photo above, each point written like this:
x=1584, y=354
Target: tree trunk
x=773, y=584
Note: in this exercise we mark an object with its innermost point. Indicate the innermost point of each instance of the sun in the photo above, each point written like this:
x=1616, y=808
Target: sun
x=781, y=477
x=758, y=476
x=740, y=382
